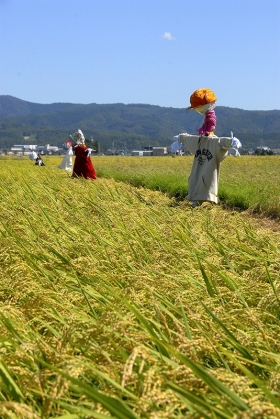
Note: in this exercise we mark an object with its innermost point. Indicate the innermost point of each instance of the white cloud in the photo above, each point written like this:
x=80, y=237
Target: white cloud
x=168, y=36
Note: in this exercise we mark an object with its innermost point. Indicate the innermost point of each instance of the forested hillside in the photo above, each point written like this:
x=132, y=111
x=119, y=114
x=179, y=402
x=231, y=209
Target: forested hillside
x=132, y=126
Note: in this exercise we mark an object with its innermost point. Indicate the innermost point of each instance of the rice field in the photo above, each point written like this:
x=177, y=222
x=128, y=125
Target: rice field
x=122, y=301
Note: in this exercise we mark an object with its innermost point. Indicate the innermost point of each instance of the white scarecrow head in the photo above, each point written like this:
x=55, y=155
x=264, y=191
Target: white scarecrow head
x=78, y=136
x=205, y=108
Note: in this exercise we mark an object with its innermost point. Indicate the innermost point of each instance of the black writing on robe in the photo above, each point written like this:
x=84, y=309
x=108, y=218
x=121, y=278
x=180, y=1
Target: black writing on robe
x=204, y=152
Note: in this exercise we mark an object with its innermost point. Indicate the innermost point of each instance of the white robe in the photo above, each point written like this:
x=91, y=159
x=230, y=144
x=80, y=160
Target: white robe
x=208, y=153
x=66, y=163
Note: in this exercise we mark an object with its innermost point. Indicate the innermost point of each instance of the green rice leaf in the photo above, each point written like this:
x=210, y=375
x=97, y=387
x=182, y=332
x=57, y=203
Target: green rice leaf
x=11, y=386
x=244, y=351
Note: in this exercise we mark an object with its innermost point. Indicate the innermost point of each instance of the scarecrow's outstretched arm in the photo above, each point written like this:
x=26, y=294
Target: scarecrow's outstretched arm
x=191, y=141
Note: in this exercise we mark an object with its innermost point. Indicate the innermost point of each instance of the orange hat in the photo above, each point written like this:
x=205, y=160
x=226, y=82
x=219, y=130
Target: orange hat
x=201, y=97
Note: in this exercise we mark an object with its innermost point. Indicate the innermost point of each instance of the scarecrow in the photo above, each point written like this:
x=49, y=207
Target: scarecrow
x=208, y=150
x=39, y=161
x=67, y=159
x=83, y=166
x=36, y=158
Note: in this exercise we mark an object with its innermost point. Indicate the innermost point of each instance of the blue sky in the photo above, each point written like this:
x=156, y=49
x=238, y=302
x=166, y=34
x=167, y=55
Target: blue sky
x=141, y=51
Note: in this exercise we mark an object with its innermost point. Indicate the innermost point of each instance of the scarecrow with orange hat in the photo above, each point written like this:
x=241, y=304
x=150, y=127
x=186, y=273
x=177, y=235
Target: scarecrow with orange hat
x=208, y=150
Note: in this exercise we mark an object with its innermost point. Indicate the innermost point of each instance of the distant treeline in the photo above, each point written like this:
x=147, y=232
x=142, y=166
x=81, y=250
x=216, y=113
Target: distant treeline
x=128, y=127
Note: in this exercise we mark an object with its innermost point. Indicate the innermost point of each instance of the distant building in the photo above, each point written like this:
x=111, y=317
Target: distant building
x=47, y=149
x=26, y=148
x=22, y=148
x=160, y=151
x=151, y=151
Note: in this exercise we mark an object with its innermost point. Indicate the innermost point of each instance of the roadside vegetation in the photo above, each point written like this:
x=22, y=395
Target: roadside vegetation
x=117, y=299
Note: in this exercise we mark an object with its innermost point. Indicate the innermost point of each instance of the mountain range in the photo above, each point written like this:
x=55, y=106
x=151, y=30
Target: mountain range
x=131, y=126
